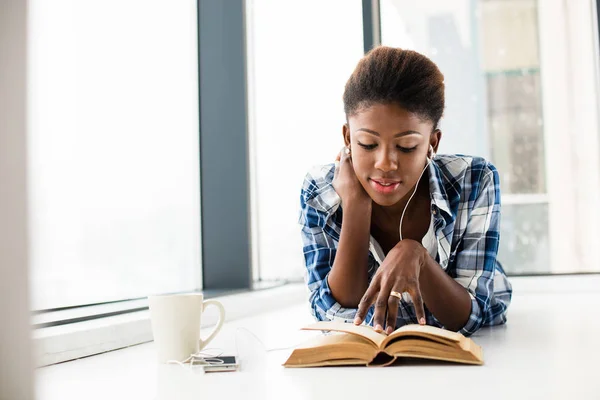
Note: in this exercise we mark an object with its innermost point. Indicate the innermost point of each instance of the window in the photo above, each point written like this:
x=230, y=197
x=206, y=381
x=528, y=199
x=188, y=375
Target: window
x=521, y=90
x=114, y=172
x=300, y=55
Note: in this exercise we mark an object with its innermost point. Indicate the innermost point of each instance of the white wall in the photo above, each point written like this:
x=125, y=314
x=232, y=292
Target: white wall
x=570, y=98
x=15, y=357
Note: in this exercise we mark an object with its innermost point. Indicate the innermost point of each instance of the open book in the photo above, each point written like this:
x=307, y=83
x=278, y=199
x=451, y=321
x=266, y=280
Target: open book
x=361, y=345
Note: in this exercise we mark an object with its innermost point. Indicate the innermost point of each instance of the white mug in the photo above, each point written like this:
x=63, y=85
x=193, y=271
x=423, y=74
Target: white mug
x=176, y=324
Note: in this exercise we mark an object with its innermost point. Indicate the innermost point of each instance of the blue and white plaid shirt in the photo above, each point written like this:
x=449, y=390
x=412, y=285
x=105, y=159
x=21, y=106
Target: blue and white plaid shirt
x=465, y=205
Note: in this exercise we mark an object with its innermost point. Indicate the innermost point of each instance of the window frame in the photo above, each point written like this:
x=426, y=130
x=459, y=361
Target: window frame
x=16, y=379
x=227, y=252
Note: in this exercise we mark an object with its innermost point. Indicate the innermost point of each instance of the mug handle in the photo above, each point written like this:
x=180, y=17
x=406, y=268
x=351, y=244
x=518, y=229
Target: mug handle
x=204, y=342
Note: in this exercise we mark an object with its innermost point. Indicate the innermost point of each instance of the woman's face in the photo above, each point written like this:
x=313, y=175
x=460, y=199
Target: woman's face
x=389, y=148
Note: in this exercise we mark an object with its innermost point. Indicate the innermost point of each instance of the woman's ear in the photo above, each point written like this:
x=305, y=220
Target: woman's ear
x=346, y=134
x=434, y=139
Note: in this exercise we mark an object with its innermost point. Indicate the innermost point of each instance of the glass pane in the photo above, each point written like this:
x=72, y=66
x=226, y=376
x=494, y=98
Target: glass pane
x=516, y=130
x=504, y=69
x=114, y=172
x=300, y=56
x=445, y=31
x=524, y=240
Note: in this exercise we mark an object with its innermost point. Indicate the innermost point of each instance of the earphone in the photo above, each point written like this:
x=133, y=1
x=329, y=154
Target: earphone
x=432, y=151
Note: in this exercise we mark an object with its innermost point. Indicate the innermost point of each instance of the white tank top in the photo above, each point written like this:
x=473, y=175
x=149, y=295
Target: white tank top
x=429, y=241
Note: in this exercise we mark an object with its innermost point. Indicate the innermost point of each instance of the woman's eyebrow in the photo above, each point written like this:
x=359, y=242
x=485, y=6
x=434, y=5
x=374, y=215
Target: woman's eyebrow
x=396, y=135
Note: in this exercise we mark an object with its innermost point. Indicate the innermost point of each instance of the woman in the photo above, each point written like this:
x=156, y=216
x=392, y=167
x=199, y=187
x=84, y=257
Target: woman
x=394, y=234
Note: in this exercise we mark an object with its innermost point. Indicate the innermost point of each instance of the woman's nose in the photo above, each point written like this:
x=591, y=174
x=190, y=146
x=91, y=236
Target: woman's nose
x=386, y=162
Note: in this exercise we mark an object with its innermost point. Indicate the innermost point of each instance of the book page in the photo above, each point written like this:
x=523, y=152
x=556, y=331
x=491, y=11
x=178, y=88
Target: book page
x=427, y=331
x=364, y=331
x=349, y=341
x=333, y=350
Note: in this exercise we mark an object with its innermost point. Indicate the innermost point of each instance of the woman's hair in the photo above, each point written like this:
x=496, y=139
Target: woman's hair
x=390, y=75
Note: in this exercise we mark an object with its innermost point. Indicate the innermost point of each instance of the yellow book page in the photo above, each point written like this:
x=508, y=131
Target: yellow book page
x=438, y=358
x=328, y=363
x=325, y=349
x=427, y=331
x=322, y=342
x=420, y=348
x=361, y=330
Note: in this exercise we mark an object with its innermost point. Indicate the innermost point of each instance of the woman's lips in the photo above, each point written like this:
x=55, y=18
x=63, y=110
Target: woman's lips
x=384, y=186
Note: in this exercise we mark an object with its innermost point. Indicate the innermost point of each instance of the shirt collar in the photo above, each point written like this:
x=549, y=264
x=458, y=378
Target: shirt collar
x=438, y=191
x=325, y=197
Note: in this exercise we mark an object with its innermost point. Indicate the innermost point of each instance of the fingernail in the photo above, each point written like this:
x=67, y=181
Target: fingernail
x=388, y=330
x=378, y=328
x=422, y=321
x=356, y=321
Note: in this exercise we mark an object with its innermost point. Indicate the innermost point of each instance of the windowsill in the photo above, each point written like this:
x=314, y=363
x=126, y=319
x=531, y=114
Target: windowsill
x=70, y=315
x=62, y=343
x=549, y=334
x=56, y=344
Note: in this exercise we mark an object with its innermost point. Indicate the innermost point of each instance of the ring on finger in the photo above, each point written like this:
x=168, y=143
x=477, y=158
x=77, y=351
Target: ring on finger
x=396, y=294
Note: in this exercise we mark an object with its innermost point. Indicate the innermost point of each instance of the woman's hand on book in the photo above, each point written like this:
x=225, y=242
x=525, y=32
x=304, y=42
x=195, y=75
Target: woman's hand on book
x=399, y=272
x=345, y=182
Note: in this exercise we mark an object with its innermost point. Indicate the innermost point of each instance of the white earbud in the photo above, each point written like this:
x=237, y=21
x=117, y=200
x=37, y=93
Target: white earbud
x=431, y=154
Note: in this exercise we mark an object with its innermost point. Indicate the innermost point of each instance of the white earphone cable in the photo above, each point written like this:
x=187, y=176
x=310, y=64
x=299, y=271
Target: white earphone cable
x=429, y=161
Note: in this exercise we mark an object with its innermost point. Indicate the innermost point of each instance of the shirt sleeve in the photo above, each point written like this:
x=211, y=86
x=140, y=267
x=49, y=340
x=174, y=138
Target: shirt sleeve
x=476, y=264
x=320, y=237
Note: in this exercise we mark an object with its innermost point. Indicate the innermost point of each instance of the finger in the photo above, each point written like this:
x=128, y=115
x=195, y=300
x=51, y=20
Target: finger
x=392, y=313
x=381, y=306
x=366, y=301
x=380, y=309
x=339, y=165
x=344, y=154
x=415, y=293
x=335, y=173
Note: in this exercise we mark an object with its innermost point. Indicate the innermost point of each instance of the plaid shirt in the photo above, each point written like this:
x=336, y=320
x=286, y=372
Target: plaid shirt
x=465, y=205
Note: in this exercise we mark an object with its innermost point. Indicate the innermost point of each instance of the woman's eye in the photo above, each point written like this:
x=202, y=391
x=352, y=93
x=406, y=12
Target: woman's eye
x=372, y=146
x=407, y=149
x=367, y=146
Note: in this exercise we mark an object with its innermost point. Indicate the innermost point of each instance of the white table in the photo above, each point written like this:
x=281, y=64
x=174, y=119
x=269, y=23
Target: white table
x=550, y=349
